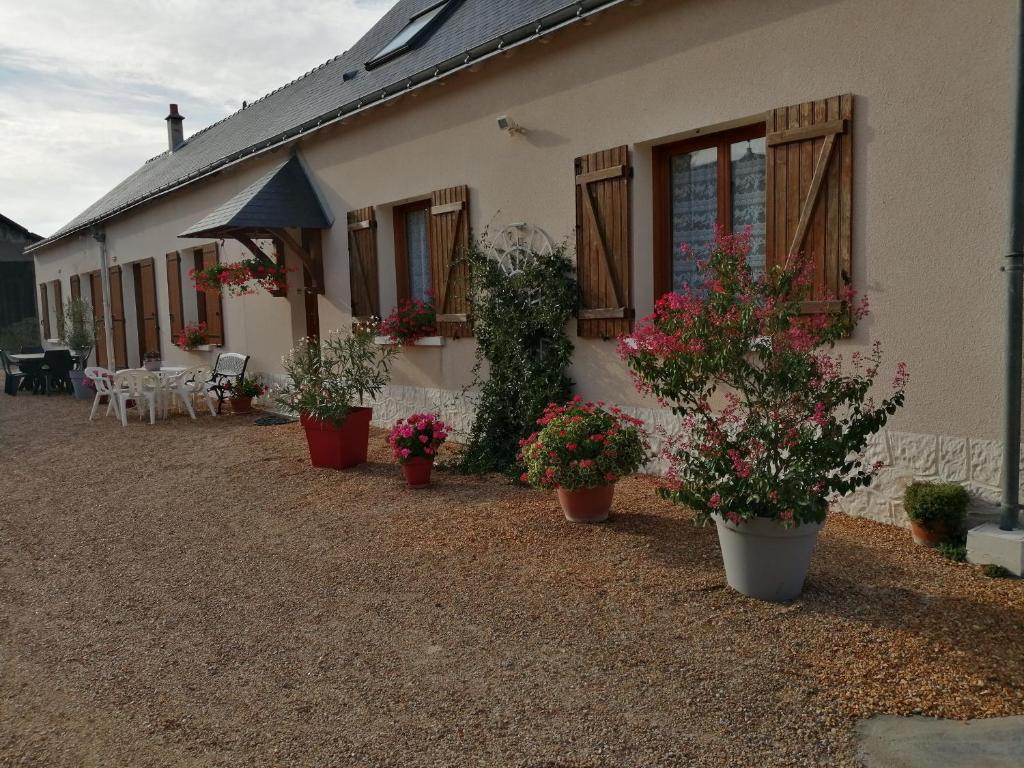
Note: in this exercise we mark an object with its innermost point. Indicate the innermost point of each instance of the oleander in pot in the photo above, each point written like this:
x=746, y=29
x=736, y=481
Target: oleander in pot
x=581, y=451
x=937, y=511
x=415, y=441
x=78, y=334
x=773, y=426
x=329, y=384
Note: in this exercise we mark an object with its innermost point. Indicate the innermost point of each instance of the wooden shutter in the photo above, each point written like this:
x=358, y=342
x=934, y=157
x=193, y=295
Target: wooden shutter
x=76, y=287
x=96, y=292
x=44, y=310
x=449, y=240
x=117, y=318
x=175, y=306
x=362, y=263
x=810, y=191
x=211, y=307
x=146, y=307
x=58, y=307
x=313, y=280
x=604, y=243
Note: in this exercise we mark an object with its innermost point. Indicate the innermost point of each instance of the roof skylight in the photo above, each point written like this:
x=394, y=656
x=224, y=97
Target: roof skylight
x=413, y=33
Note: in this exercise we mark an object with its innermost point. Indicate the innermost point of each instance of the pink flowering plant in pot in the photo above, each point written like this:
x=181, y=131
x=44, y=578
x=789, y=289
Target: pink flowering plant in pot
x=581, y=451
x=415, y=441
x=774, y=423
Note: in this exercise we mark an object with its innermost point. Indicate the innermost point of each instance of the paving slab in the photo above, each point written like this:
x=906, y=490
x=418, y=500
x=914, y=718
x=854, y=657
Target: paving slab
x=919, y=742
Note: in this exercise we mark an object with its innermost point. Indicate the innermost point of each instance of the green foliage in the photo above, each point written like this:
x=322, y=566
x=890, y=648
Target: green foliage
x=937, y=504
x=19, y=334
x=79, y=328
x=582, y=445
x=519, y=322
x=330, y=378
x=955, y=549
x=996, y=571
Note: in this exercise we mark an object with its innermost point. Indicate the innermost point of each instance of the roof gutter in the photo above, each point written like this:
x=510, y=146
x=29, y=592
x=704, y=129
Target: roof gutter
x=527, y=33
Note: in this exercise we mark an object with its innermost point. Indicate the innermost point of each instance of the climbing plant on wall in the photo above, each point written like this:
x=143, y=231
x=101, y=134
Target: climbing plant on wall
x=522, y=294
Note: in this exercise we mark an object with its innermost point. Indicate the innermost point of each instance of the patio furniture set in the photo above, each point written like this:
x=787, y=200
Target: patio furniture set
x=148, y=391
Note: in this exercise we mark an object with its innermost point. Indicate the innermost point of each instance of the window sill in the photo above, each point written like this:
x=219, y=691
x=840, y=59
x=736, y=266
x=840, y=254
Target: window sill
x=426, y=341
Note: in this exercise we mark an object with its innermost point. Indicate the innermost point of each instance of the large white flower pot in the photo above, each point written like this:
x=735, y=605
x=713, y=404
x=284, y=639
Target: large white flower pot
x=764, y=560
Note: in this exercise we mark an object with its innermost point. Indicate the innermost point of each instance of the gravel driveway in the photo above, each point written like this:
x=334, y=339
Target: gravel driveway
x=196, y=594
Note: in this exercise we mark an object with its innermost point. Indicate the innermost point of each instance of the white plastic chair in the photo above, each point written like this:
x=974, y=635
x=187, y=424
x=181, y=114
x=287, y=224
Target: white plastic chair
x=102, y=379
x=138, y=385
x=189, y=383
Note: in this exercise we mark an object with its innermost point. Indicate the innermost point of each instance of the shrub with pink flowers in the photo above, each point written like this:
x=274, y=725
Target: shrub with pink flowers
x=412, y=319
x=417, y=437
x=582, y=445
x=775, y=424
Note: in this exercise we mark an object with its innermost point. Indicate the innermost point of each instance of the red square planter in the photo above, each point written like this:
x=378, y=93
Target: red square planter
x=338, y=447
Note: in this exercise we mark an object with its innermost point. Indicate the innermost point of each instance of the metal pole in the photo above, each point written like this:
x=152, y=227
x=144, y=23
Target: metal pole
x=1014, y=296
x=108, y=319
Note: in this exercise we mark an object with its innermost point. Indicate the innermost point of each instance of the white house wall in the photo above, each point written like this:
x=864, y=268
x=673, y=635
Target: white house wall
x=932, y=90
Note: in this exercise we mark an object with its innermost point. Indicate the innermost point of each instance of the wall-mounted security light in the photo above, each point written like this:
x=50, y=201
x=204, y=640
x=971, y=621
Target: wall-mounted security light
x=509, y=125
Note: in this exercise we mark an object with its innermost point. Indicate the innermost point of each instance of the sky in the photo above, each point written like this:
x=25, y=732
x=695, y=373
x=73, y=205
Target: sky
x=85, y=84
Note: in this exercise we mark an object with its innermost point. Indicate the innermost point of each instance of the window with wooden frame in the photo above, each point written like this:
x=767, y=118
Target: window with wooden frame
x=788, y=177
x=412, y=250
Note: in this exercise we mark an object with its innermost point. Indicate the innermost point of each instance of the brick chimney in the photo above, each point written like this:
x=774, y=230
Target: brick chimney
x=175, y=129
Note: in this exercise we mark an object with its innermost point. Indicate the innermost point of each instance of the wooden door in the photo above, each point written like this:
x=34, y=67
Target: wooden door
x=312, y=281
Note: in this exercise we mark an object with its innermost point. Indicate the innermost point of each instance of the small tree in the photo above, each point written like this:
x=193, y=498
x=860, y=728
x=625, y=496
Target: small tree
x=79, y=328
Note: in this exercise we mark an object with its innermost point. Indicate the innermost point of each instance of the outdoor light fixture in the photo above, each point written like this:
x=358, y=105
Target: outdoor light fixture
x=506, y=123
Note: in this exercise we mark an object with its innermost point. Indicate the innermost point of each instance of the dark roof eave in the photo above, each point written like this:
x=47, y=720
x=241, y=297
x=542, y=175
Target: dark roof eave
x=527, y=33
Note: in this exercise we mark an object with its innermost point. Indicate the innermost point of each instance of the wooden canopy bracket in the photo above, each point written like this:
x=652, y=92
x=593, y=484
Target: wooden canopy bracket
x=261, y=256
x=295, y=245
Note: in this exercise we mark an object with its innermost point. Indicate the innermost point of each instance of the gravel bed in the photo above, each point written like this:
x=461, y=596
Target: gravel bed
x=196, y=594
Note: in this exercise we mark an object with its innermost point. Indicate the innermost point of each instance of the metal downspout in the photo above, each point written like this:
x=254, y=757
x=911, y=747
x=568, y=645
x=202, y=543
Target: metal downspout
x=108, y=318
x=1014, y=295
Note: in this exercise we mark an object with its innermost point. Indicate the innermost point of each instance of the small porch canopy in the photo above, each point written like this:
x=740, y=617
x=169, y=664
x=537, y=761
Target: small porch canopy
x=284, y=199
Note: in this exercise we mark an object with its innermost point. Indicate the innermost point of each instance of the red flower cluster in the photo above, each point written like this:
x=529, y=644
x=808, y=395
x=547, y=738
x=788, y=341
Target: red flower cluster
x=191, y=336
x=412, y=319
x=582, y=445
x=417, y=436
x=239, y=277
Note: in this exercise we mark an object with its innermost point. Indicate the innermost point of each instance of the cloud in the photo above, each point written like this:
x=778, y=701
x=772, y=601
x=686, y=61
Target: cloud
x=84, y=87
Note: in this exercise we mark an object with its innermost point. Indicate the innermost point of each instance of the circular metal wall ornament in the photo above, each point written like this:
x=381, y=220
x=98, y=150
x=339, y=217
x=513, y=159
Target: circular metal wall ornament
x=516, y=247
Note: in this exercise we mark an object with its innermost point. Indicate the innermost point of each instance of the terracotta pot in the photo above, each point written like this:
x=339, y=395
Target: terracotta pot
x=928, y=535
x=587, y=505
x=241, y=405
x=417, y=472
x=338, y=447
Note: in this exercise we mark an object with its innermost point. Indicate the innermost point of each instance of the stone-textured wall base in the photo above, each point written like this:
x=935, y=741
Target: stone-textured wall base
x=906, y=456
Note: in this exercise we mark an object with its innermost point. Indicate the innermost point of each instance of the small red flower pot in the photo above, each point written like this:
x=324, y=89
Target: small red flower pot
x=338, y=447
x=241, y=405
x=417, y=472
x=587, y=505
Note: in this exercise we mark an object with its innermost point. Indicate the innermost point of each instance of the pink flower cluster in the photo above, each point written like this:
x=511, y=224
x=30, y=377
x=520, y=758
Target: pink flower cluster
x=417, y=436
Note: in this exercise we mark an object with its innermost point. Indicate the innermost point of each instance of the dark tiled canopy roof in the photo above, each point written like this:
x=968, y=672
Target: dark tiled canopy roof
x=281, y=199
x=475, y=29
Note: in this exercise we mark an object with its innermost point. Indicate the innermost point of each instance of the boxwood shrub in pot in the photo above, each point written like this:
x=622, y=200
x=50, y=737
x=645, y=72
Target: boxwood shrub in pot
x=937, y=511
x=582, y=450
x=774, y=426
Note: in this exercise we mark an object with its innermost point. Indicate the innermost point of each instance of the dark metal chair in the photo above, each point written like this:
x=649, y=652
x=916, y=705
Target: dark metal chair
x=14, y=378
x=230, y=367
x=57, y=364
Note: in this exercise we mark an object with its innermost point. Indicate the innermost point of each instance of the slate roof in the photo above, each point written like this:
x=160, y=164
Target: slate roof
x=281, y=199
x=16, y=226
x=476, y=29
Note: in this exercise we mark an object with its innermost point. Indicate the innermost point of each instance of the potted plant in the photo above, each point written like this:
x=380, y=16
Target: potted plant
x=773, y=426
x=241, y=277
x=151, y=361
x=412, y=319
x=937, y=511
x=79, y=335
x=243, y=391
x=414, y=442
x=192, y=336
x=329, y=384
x=582, y=450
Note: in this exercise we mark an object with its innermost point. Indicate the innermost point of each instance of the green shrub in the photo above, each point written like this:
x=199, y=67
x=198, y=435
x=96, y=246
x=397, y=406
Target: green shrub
x=953, y=550
x=935, y=504
x=996, y=571
x=19, y=334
